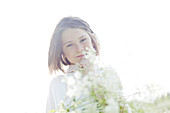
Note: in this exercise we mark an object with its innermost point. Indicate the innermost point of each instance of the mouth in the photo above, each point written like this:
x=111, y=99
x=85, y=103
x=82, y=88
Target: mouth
x=80, y=56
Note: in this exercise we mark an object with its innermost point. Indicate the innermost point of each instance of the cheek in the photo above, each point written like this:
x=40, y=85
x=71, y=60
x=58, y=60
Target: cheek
x=89, y=44
x=69, y=52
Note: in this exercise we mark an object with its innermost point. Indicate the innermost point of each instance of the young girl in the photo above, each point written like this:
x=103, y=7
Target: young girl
x=72, y=35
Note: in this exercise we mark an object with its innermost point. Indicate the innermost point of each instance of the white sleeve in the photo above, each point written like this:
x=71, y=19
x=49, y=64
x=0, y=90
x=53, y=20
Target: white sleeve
x=57, y=92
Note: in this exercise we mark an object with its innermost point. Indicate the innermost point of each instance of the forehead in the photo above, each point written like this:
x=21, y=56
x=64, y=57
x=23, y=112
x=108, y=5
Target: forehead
x=72, y=34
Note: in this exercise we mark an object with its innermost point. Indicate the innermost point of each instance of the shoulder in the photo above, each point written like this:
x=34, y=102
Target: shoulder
x=57, y=81
x=57, y=78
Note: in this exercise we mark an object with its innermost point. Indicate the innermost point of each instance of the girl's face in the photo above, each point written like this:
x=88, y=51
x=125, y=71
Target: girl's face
x=74, y=41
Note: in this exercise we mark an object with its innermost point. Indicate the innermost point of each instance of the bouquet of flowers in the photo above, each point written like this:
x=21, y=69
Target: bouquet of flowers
x=95, y=88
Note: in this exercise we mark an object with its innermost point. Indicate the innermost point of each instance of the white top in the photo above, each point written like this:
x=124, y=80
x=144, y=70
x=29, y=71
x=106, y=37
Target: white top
x=57, y=90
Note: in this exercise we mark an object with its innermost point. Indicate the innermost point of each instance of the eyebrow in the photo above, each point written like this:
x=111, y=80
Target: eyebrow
x=71, y=41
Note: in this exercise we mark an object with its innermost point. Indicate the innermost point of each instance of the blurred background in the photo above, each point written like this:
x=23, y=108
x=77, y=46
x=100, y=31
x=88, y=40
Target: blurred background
x=134, y=37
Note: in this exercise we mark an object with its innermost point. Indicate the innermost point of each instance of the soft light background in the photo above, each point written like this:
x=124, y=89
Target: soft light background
x=134, y=37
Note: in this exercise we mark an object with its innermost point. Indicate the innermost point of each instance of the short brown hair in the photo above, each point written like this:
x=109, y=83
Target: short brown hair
x=55, y=59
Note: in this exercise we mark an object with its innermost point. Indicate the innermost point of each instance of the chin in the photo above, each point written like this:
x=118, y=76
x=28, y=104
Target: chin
x=75, y=62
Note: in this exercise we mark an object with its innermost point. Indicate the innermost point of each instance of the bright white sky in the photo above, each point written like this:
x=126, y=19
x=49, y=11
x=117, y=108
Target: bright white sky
x=134, y=37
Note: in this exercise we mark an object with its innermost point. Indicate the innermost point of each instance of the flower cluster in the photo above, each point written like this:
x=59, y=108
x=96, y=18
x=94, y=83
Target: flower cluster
x=94, y=88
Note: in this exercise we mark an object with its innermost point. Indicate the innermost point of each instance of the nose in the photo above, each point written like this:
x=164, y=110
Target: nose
x=80, y=48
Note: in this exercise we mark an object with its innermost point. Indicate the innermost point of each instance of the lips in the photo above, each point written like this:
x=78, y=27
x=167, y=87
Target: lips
x=80, y=56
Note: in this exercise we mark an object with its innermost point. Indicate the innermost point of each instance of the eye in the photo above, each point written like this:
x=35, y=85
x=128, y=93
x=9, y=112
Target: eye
x=69, y=45
x=82, y=40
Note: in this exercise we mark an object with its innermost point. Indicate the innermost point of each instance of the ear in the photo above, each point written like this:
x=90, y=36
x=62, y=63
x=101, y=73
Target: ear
x=64, y=57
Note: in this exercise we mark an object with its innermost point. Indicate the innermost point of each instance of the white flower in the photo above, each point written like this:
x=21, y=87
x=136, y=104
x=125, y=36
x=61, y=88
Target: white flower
x=112, y=106
x=97, y=82
x=77, y=75
x=128, y=108
x=91, y=109
x=71, y=80
x=61, y=108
